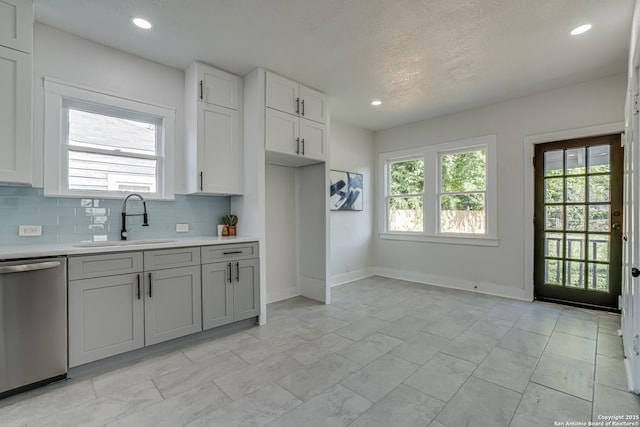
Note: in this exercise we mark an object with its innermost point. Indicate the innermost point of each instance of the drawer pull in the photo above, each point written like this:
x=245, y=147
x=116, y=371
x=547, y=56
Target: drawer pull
x=231, y=253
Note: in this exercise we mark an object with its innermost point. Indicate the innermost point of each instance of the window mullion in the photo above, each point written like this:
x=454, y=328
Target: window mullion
x=110, y=152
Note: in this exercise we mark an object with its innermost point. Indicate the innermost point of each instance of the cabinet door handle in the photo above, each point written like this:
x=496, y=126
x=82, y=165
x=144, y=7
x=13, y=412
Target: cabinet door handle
x=150, y=285
x=229, y=266
x=297, y=145
x=201, y=180
x=302, y=146
x=231, y=253
x=138, y=286
x=201, y=90
x=237, y=271
x=297, y=105
x=302, y=107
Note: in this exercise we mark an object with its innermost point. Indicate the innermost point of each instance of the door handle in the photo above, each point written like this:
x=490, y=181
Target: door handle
x=229, y=267
x=29, y=267
x=302, y=140
x=201, y=180
x=302, y=107
x=635, y=272
x=237, y=271
x=138, y=286
x=297, y=105
x=150, y=285
x=201, y=90
x=297, y=145
x=615, y=226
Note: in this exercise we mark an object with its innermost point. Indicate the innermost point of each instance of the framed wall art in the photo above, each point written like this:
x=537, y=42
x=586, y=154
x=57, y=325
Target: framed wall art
x=345, y=191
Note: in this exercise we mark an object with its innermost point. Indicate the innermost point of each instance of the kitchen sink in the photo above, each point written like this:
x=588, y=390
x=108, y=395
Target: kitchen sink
x=121, y=243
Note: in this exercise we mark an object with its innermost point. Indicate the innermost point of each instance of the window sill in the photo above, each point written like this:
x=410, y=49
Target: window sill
x=450, y=240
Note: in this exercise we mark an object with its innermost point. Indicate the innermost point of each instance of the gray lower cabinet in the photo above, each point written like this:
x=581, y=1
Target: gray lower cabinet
x=172, y=303
x=230, y=291
x=106, y=317
x=112, y=313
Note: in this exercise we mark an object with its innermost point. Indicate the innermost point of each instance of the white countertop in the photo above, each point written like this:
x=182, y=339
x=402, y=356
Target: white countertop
x=33, y=251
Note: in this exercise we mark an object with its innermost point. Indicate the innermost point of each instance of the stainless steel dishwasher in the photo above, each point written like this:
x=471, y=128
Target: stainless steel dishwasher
x=33, y=323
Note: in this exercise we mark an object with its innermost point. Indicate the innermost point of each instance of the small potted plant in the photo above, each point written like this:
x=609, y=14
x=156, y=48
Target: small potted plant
x=230, y=221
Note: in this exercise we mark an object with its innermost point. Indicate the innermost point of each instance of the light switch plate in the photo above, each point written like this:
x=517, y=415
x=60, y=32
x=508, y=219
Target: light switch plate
x=182, y=228
x=29, y=230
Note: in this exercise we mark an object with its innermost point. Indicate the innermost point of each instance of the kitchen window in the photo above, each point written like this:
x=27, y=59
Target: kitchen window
x=102, y=145
x=441, y=193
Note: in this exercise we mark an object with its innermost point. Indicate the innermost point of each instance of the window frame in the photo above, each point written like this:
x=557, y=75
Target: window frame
x=389, y=196
x=432, y=190
x=60, y=97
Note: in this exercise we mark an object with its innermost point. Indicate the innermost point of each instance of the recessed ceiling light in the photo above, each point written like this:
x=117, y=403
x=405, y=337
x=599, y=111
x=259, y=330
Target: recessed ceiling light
x=376, y=102
x=141, y=23
x=581, y=29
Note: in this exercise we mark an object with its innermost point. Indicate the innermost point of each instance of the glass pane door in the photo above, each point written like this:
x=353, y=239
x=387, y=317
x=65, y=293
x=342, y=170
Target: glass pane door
x=578, y=221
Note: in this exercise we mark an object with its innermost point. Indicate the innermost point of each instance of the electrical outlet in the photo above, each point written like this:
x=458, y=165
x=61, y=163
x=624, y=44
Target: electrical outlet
x=29, y=230
x=182, y=228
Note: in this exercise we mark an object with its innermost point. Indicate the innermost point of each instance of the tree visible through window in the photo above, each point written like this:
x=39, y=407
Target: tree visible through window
x=406, y=200
x=462, y=198
x=441, y=192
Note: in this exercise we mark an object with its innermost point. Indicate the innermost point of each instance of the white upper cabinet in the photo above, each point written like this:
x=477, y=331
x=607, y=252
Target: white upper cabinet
x=16, y=40
x=293, y=98
x=313, y=105
x=213, y=131
x=295, y=123
x=16, y=24
x=216, y=86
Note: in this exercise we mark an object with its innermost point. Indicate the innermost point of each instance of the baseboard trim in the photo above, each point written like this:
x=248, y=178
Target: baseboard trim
x=454, y=283
x=352, y=276
x=283, y=294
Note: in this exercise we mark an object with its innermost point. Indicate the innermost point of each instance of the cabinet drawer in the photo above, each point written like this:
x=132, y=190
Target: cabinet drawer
x=232, y=251
x=171, y=258
x=86, y=267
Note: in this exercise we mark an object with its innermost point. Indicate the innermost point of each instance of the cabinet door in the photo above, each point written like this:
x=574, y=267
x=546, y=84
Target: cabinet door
x=172, y=305
x=246, y=289
x=219, y=150
x=281, y=132
x=313, y=105
x=16, y=24
x=105, y=317
x=313, y=139
x=217, y=87
x=282, y=94
x=15, y=116
x=217, y=294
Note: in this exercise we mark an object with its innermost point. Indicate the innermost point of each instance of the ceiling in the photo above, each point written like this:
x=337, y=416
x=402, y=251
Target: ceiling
x=421, y=58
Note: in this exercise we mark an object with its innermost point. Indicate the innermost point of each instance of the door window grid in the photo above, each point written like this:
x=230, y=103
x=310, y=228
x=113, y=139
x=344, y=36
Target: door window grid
x=573, y=254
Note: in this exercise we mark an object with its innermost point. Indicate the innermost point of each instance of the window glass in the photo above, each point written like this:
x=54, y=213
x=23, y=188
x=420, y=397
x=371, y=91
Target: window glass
x=405, y=207
x=463, y=179
x=105, y=153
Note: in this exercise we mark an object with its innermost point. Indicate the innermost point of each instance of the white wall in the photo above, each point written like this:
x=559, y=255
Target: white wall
x=498, y=270
x=281, y=235
x=351, y=233
x=72, y=59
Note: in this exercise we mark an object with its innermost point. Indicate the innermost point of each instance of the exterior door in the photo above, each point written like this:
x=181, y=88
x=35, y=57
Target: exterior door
x=578, y=221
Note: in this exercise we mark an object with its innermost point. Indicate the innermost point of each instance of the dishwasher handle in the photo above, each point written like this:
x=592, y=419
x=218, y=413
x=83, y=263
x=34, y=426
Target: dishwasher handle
x=22, y=268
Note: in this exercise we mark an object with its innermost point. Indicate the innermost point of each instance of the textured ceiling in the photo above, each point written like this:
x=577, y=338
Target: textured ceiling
x=422, y=58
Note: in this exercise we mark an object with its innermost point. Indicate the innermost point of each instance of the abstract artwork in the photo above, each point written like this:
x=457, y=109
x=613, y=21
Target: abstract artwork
x=345, y=191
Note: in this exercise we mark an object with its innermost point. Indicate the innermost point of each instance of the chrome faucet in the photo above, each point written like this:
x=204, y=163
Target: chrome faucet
x=145, y=219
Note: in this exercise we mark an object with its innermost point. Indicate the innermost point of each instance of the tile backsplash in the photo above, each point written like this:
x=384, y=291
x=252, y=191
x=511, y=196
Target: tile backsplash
x=71, y=220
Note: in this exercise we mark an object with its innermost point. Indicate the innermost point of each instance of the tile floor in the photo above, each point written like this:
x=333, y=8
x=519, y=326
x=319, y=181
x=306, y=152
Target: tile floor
x=386, y=353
